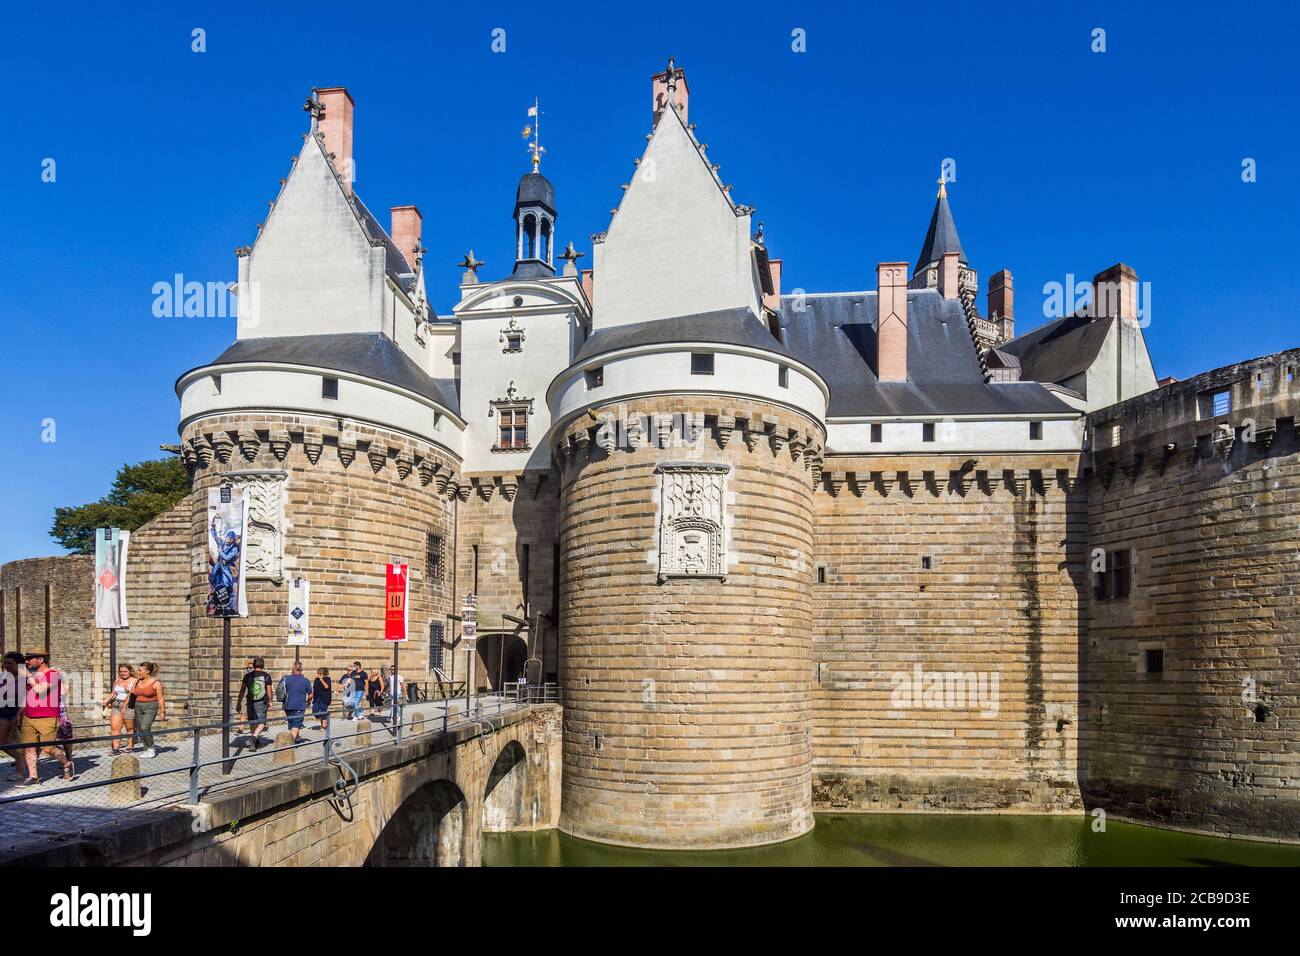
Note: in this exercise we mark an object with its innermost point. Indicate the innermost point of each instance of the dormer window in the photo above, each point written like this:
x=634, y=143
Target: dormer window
x=512, y=336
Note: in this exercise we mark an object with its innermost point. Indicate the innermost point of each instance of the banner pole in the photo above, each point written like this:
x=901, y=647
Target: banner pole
x=112, y=656
x=225, y=695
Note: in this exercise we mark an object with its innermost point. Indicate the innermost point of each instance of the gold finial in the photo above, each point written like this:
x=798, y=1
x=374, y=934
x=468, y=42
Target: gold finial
x=943, y=189
x=535, y=148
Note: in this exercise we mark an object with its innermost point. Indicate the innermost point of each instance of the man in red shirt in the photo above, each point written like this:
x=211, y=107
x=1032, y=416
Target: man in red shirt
x=40, y=716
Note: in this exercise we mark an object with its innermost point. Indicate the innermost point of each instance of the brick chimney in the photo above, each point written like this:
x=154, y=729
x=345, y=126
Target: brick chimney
x=1002, y=304
x=1114, y=292
x=406, y=231
x=659, y=91
x=589, y=284
x=773, y=301
x=891, y=334
x=949, y=275
x=336, y=124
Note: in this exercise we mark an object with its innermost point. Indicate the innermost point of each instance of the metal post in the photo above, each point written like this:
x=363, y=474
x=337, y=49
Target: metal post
x=392, y=681
x=225, y=695
x=112, y=656
x=469, y=680
x=329, y=732
x=194, y=771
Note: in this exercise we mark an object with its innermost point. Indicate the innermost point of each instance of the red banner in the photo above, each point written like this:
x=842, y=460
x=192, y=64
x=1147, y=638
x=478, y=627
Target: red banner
x=396, y=593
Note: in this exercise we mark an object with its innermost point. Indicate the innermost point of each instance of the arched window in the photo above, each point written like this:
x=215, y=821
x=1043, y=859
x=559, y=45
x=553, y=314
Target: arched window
x=529, y=239
x=546, y=241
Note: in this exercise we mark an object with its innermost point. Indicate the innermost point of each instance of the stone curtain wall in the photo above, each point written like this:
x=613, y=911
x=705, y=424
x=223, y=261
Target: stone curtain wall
x=502, y=514
x=999, y=601
x=158, y=605
x=687, y=702
x=353, y=501
x=71, y=621
x=1210, y=513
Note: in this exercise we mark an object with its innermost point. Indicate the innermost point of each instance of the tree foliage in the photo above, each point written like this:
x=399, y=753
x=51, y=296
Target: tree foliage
x=140, y=493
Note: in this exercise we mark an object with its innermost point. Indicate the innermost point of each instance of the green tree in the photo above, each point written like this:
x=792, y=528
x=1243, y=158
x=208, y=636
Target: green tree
x=140, y=493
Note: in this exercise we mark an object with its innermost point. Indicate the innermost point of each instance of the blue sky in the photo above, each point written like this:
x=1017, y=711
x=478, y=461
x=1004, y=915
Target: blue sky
x=1067, y=161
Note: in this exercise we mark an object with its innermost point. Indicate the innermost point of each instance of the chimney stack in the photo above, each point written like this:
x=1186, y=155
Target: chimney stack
x=659, y=92
x=1114, y=293
x=773, y=301
x=1002, y=304
x=406, y=231
x=336, y=123
x=891, y=324
x=949, y=275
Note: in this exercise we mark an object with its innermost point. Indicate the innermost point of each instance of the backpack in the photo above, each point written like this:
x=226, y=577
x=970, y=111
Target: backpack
x=281, y=691
x=257, y=688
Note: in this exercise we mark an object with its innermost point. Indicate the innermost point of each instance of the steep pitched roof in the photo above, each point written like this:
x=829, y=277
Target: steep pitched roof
x=369, y=354
x=395, y=264
x=1059, y=350
x=836, y=336
x=941, y=238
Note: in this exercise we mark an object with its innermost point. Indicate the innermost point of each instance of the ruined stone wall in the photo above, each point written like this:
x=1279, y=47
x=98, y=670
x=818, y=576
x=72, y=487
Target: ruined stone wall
x=946, y=633
x=1209, y=508
x=509, y=522
x=68, y=630
x=687, y=700
x=354, y=499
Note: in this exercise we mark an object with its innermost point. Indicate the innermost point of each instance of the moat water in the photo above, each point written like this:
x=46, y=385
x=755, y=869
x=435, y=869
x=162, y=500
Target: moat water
x=869, y=839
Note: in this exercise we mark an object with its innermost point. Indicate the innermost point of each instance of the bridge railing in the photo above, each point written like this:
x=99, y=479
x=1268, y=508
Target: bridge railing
x=201, y=751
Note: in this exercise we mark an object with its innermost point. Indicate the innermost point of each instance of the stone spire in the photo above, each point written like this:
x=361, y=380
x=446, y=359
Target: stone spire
x=942, y=236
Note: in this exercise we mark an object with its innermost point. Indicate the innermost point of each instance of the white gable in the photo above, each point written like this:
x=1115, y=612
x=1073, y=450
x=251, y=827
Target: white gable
x=676, y=245
x=312, y=269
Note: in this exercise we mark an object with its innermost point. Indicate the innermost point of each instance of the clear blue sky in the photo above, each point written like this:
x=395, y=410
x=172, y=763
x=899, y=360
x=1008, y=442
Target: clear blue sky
x=1067, y=161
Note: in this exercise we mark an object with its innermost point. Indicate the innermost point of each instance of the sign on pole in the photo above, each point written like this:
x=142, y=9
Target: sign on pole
x=299, y=611
x=110, y=577
x=227, y=515
x=469, y=617
x=396, y=592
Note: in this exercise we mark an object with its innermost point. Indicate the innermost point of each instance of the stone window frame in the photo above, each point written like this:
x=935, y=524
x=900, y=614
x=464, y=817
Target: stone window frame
x=512, y=405
x=512, y=337
x=1117, y=575
x=435, y=558
x=1143, y=661
x=1035, y=431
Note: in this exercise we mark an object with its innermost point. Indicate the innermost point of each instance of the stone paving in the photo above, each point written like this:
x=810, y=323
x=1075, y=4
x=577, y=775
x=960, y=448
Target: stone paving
x=57, y=811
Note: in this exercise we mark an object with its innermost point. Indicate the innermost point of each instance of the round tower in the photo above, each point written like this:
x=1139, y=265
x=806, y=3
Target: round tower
x=686, y=532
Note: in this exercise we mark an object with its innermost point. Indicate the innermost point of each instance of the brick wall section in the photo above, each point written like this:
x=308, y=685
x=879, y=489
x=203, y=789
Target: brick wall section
x=72, y=609
x=687, y=702
x=1211, y=525
x=344, y=522
x=502, y=514
x=1005, y=544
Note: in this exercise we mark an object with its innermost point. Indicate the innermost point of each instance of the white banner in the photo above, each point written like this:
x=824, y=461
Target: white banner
x=299, y=611
x=110, y=577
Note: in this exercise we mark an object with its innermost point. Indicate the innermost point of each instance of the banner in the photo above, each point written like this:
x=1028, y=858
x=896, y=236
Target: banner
x=299, y=611
x=110, y=577
x=396, y=592
x=227, y=514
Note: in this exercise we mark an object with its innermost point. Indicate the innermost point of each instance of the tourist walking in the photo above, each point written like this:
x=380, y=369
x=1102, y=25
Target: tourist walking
x=39, y=724
x=375, y=691
x=357, y=696
x=322, y=695
x=13, y=679
x=293, y=692
x=118, y=715
x=257, y=687
x=148, y=704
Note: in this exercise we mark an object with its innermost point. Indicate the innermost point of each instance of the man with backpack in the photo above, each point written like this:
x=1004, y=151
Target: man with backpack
x=293, y=691
x=257, y=685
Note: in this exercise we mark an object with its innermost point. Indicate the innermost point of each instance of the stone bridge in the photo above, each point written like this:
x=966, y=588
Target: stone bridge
x=424, y=802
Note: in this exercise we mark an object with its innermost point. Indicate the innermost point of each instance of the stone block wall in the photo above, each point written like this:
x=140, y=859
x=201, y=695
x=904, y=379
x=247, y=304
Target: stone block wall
x=1208, y=507
x=946, y=633
x=687, y=699
x=65, y=585
x=509, y=524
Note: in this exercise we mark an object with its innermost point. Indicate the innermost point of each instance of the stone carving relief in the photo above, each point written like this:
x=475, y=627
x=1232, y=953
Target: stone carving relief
x=264, y=536
x=692, y=520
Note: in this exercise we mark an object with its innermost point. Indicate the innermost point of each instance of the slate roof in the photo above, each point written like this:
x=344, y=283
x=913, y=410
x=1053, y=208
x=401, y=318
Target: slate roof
x=1059, y=350
x=836, y=336
x=399, y=270
x=535, y=188
x=370, y=354
x=723, y=327
x=941, y=237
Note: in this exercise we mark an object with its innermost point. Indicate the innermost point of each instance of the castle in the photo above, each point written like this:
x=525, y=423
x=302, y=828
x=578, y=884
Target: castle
x=783, y=552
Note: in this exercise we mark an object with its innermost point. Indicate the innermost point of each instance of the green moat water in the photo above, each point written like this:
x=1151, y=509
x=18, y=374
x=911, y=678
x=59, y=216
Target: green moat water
x=918, y=840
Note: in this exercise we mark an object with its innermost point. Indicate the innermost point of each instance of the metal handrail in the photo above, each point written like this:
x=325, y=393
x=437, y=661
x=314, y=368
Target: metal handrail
x=329, y=743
